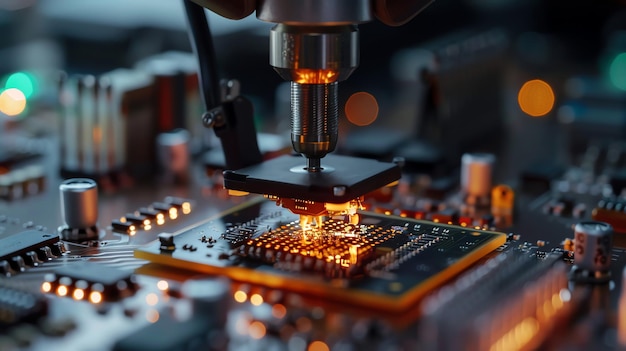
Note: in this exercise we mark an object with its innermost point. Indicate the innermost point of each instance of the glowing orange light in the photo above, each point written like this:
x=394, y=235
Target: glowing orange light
x=256, y=330
x=256, y=299
x=152, y=316
x=173, y=212
x=315, y=76
x=12, y=102
x=318, y=346
x=152, y=299
x=279, y=311
x=186, y=208
x=78, y=294
x=160, y=219
x=536, y=98
x=240, y=296
x=163, y=285
x=95, y=297
x=361, y=108
x=62, y=290
x=46, y=287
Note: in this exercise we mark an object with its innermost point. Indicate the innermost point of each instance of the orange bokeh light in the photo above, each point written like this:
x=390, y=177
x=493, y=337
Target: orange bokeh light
x=12, y=102
x=536, y=98
x=318, y=346
x=361, y=108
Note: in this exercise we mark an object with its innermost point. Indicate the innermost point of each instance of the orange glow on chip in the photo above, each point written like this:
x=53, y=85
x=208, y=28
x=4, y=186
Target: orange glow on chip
x=536, y=98
x=62, y=290
x=95, y=297
x=78, y=294
x=361, y=109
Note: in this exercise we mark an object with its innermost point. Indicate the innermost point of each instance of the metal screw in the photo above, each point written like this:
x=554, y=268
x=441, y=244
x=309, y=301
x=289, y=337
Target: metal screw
x=213, y=117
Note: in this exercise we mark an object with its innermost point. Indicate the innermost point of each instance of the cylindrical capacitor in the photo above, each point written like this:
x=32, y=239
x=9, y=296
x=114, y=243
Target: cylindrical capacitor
x=476, y=171
x=79, y=203
x=593, y=242
x=173, y=154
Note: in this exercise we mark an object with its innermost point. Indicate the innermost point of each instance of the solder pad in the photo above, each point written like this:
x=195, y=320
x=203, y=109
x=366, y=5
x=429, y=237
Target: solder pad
x=386, y=262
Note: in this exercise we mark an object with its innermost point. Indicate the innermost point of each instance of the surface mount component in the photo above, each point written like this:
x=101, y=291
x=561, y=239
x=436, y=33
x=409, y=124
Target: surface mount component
x=27, y=248
x=92, y=282
x=476, y=173
x=341, y=179
x=386, y=263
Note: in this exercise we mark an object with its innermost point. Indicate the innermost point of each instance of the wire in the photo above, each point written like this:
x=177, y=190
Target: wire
x=202, y=44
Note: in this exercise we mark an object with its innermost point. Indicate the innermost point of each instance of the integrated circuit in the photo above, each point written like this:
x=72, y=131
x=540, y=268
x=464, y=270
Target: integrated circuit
x=90, y=281
x=385, y=262
x=28, y=248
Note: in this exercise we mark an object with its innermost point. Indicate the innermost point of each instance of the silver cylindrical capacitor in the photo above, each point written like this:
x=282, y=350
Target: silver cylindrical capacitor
x=593, y=242
x=476, y=174
x=79, y=202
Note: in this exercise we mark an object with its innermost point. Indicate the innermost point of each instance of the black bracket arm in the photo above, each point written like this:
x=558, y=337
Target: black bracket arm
x=230, y=115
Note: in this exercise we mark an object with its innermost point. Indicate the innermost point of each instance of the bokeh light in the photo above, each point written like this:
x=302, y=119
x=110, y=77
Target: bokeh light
x=318, y=346
x=95, y=297
x=256, y=299
x=257, y=330
x=361, y=109
x=240, y=296
x=536, y=98
x=12, y=102
x=617, y=71
x=22, y=81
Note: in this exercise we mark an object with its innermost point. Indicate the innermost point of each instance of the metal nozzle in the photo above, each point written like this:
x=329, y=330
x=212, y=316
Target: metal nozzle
x=314, y=118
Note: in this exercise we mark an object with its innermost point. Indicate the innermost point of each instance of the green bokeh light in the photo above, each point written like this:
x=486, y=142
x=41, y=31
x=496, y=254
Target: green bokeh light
x=617, y=71
x=23, y=81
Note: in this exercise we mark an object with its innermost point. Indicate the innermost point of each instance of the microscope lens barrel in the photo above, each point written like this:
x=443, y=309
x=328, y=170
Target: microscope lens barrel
x=314, y=118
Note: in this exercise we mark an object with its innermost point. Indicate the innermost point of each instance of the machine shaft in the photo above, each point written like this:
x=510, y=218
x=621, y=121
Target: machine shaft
x=314, y=118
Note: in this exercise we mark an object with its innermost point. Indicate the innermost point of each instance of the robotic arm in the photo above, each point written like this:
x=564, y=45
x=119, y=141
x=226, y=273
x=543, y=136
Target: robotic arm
x=314, y=45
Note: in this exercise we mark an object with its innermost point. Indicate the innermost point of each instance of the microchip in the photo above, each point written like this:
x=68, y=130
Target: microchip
x=91, y=281
x=27, y=248
x=384, y=263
